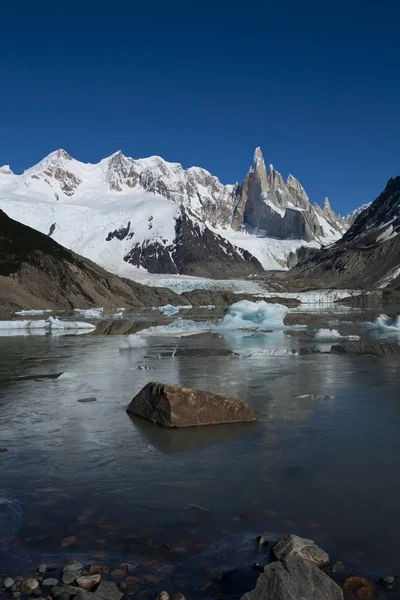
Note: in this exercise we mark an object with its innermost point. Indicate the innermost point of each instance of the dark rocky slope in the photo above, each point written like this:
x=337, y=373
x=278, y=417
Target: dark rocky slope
x=367, y=256
x=36, y=272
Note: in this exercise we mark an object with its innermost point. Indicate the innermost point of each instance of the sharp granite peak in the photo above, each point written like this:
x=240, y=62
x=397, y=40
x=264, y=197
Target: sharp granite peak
x=126, y=213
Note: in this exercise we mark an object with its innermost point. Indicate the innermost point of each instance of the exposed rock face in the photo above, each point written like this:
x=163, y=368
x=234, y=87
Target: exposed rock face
x=190, y=253
x=295, y=546
x=368, y=255
x=379, y=349
x=282, y=209
x=139, y=211
x=173, y=406
x=292, y=579
x=36, y=272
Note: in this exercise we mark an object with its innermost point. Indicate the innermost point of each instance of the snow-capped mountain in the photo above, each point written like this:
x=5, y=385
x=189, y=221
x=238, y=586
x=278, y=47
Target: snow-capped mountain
x=149, y=213
x=368, y=255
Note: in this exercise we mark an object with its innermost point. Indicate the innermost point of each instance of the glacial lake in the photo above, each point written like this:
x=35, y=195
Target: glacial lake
x=322, y=460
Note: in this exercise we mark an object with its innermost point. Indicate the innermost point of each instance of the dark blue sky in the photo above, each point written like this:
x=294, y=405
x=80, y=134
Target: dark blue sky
x=315, y=84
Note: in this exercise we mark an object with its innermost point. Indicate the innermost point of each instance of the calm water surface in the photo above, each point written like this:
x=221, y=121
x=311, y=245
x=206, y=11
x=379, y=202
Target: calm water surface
x=322, y=460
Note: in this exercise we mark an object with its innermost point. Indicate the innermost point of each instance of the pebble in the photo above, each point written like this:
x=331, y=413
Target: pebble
x=88, y=582
x=50, y=581
x=262, y=541
x=109, y=590
x=68, y=541
x=163, y=596
x=30, y=585
x=69, y=577
x=42, y=568
x=388, y=581
x=8, y=583
x=87, y=400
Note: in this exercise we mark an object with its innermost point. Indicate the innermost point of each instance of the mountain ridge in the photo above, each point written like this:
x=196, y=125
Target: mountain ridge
x=234, y=230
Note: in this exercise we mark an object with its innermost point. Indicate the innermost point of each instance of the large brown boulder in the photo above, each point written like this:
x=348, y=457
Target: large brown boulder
x=174, y=406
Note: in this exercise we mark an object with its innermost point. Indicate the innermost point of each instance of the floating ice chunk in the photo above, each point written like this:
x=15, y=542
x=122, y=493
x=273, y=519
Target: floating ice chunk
x=168, y=309
x=121, y=309
x=67, y=375
x=332, y=334
x=253, y=315
x=90, y=313
x=50, y=324
x=270, y=352
x=385, y=323
x=55, y=323
x=209, y=306
x=135, y=340
x=34, y=311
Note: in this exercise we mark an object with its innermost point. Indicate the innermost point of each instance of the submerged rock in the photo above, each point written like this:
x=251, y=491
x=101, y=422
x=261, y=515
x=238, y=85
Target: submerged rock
x=173, y=406
x=295, y=546
x=294, y=578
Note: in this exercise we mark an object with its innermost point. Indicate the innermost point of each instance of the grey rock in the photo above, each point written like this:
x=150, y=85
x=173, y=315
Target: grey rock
x=16, y=594
x=108, y=590
x=294, y=579
x=50, y=581
x=8, y=583
x=42, y=568
x=69, y=577
x=388, y=581
x=293, y=545
x=87, y=399
x=262, y=541
x=88, y=582
x=29, y=585
x=15, y=587
x=73, y=565
x=63, y=592
x=85, y=595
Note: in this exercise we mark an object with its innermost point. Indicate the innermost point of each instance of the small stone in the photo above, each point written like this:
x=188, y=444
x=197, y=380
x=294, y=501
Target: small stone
x=63, y=592
x=388, y=581
x=118, y=573
x=50, y=581
x=109, y=590
x=163, y=596
x=87, y=399
x=42, y=568
x=69, y=577
x=93, y=569
x=29, y=586
x=338, y=567
x=88, y=582
x=8, y=583
x=72, y=565
x=262, y=541
x=68, y=541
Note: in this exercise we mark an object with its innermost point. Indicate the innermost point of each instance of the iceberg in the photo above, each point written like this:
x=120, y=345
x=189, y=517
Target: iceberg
x=135, y=340
x=324, y=335
x=50, y=324
x=253, y=315
x=385, y=323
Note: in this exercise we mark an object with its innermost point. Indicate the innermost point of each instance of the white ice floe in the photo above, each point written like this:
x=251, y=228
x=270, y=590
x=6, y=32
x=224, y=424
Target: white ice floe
x=253, y=315
x=324, y=335
x=168, y=309
x=34, y=311
x=315, y=296
x=135, y=340
x=90, y=313
x=385, y=323
x=67, y=375
x=50, y=324
x=209, y=306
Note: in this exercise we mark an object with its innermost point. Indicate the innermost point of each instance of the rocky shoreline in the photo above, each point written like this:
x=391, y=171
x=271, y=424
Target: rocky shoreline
x=290, y=568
